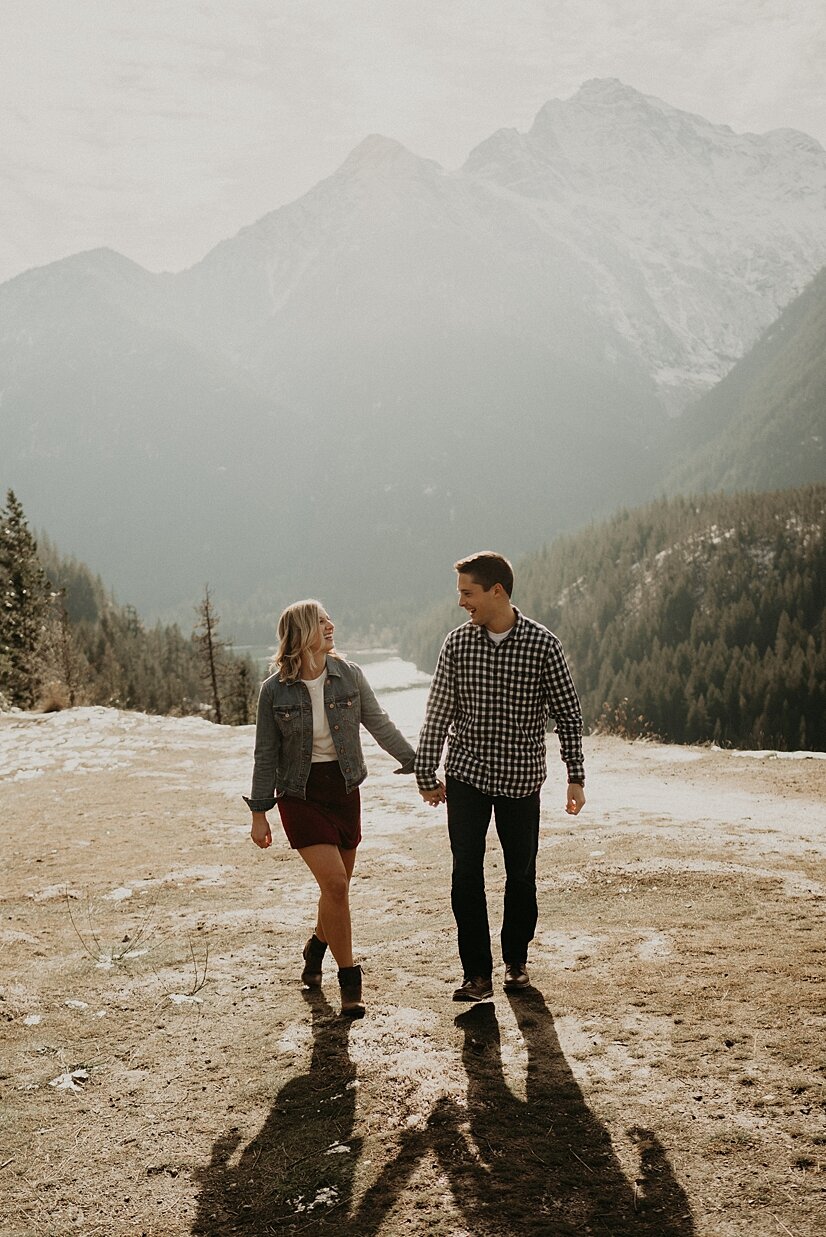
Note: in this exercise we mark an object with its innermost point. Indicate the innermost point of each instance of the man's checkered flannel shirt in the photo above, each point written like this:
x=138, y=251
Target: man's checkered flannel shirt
x=492, y=702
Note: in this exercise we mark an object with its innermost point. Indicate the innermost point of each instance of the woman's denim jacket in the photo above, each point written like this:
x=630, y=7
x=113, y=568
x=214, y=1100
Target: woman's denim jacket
x=284, y=733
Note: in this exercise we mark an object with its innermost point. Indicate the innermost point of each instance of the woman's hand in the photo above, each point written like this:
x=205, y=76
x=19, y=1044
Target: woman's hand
x=436, y=796
x=260, y=831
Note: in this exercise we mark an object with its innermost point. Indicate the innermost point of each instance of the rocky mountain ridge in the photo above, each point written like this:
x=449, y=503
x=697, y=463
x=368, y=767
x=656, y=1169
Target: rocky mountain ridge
x=696, y=237
x=483, y=355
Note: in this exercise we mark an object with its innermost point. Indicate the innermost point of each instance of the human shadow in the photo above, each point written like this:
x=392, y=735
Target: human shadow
x=297, y=1173
x=542, y=1165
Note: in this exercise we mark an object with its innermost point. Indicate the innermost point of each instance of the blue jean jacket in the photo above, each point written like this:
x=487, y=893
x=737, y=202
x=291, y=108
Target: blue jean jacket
x=284, y=733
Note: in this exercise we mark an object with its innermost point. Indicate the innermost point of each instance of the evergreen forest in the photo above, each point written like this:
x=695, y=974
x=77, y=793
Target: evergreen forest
x=65, y=641
x=692, y=619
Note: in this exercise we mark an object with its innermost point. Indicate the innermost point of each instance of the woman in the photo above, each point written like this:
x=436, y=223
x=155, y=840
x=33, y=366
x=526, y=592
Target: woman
x=308, y=760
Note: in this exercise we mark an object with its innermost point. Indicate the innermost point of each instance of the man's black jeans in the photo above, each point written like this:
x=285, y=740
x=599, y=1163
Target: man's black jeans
x=517, y=823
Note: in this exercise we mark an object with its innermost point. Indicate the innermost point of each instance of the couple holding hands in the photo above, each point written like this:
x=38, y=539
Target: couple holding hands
x=499, y=678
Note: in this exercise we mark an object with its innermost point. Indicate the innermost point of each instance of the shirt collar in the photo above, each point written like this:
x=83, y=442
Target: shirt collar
x=482, y=633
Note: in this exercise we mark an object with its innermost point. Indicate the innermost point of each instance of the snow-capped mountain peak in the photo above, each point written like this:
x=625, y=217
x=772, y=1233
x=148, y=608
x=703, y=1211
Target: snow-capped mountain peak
x=695, y=236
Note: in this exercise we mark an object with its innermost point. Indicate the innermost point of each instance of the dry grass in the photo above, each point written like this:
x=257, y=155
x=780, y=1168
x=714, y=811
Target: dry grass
x=665, y=1078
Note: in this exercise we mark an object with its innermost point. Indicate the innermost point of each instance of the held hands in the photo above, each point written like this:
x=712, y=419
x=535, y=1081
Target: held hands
x=260, y=831
x=575, y=799
x=434, y=797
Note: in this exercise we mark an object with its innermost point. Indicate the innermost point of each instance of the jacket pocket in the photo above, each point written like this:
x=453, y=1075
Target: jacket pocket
x=348, y=708
x=287, y=720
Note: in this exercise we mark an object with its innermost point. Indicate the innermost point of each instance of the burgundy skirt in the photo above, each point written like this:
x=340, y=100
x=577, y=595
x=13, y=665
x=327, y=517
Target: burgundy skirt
x=328, y=816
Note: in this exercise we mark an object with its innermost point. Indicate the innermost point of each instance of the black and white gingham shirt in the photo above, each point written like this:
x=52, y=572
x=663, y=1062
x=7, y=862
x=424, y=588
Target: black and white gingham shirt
x=492, y=703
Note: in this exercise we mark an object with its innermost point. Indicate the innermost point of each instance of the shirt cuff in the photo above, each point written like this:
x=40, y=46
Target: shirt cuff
x=259, y=805
x=576, y=775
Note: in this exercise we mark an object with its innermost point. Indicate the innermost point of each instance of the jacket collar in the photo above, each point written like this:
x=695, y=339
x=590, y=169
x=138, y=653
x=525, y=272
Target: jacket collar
x=333, y=667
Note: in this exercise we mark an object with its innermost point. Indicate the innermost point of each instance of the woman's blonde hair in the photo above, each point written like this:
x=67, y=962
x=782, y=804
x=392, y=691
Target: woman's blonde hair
x=297, y=630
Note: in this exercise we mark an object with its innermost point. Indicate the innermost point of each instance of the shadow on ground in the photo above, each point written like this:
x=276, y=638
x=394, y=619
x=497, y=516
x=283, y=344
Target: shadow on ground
x=285, y=1180
x=542, y=1165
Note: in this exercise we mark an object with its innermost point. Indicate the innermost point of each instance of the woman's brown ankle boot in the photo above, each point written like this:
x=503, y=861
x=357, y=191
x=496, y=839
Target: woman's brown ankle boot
x=313, y=955
x=349, y=978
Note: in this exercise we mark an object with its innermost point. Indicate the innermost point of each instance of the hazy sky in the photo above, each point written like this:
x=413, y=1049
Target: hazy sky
x=159, y=127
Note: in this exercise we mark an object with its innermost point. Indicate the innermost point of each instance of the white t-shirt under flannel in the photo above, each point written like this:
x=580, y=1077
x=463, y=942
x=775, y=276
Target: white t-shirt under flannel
x=492, y=702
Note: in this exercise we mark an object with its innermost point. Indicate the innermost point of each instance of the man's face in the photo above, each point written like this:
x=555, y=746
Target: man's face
x=478, y=603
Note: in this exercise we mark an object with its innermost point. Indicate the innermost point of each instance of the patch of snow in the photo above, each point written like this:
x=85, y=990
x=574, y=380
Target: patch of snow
x=87, y=740
x=9, y=936
x=770, y=755
x=400, y=1039
x=71, y=1081
x=296, y=1040
x=565, y=948
x=396, y=860
x=52, y=892
x=671, y=754
x=326, y=1197
x=118, y=895
x=794, y=884
x=654, y=947
x=202, y=875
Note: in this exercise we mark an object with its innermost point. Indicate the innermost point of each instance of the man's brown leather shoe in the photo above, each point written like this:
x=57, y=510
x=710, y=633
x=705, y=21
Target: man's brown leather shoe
x=479, y=988
x=516, y=976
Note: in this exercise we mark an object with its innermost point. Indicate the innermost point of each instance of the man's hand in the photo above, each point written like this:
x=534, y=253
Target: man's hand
x=575, y=799
x=260, y=831
x=434, y=797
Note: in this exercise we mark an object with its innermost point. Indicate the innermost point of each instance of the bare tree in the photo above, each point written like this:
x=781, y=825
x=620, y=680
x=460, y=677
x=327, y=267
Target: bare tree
x=211, y=648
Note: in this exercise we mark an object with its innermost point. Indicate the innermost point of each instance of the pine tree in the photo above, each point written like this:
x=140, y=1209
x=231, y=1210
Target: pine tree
x=24, y=605
x=241, y=689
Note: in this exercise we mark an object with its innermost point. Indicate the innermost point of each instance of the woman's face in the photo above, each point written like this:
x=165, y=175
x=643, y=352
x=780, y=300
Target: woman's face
x=324, y=634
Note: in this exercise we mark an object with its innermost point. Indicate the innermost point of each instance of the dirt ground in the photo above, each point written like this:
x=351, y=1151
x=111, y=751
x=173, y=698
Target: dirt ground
x=163, y=1073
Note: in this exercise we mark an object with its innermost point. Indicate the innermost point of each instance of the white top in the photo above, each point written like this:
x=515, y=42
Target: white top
x=498, y=636
x=323, y=746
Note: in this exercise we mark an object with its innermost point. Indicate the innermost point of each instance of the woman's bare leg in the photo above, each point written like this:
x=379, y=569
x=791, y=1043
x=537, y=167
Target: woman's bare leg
x=348, y=858
x=332, y=869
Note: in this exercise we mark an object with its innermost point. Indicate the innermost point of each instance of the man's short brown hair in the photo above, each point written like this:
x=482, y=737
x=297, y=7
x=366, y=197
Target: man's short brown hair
x=487, y=568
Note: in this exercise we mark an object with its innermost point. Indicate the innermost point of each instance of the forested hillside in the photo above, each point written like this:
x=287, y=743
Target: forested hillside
x=65, y=641
x=693, y=619
x=764, y=426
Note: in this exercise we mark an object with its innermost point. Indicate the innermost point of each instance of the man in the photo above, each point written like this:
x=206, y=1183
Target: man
x=499, y=678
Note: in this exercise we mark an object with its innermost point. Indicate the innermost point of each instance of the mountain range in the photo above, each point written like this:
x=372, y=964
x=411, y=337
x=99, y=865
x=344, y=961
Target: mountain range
x=407, y=362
